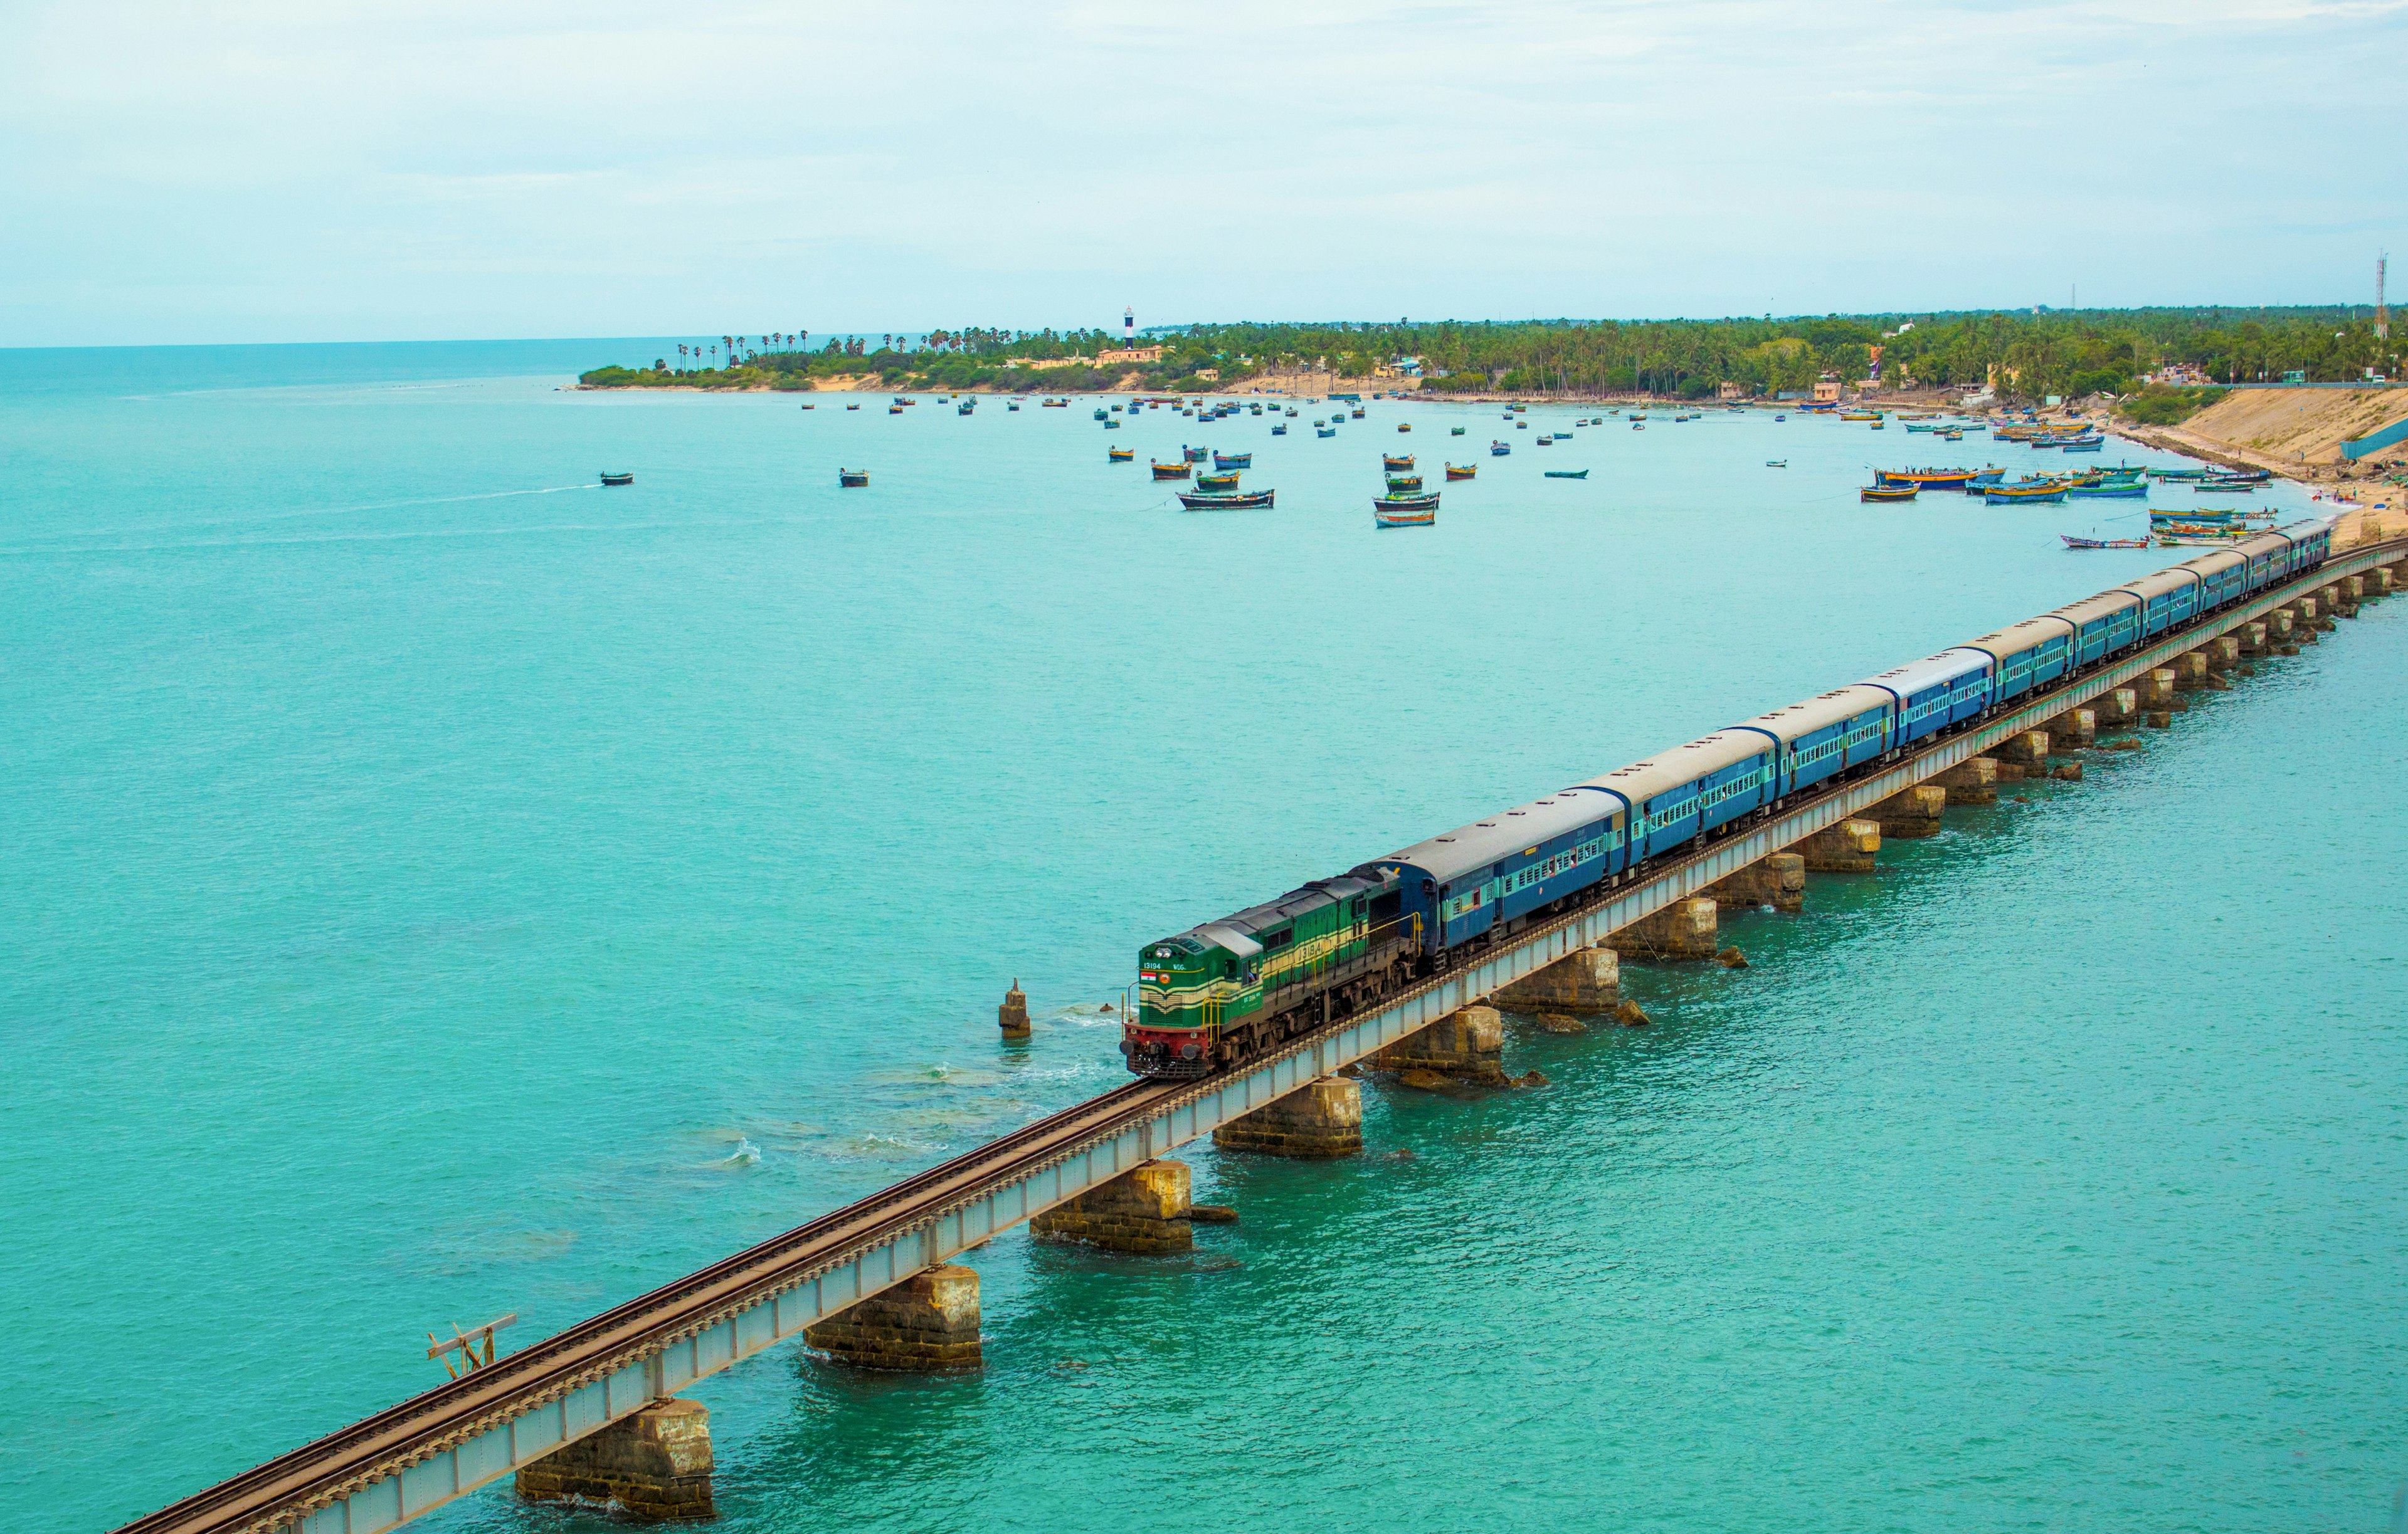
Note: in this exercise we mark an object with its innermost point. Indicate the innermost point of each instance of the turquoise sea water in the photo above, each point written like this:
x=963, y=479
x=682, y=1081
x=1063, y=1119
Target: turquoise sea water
x=438, y=887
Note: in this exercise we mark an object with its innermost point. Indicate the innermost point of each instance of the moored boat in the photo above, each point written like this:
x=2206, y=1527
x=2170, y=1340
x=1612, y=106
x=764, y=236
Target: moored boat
x=1170, y=471
x=1405, y=510
x=1218, y=482
x=1404, y=484
x=1499, y=450
x=1461, y=470
x=1233, y=460
x=1120, y=455
x=851, y=479
x=1404, y=426
x=1925, y=479
x=1888, y=492
x=1567, y=474
x=1395, y=461
x=2073, y=542
x=1776, y=462
x=1226, y=499
x=1324, y=431
x=2110, y=490
x=1455, y=431
x=2024, y=495
x=1279, y=430
x=1193, y=455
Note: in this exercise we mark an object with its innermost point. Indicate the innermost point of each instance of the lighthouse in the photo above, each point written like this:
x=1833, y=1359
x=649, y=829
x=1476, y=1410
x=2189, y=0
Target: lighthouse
x=1128, y=327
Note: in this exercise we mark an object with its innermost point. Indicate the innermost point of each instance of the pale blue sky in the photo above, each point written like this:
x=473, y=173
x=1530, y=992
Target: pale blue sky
x=282, y=172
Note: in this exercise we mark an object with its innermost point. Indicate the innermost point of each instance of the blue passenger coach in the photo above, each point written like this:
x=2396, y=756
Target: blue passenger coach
x=1824, y=735
x=1937, y=691
x=2029, y=654
x=1691, y=789
x=2102, y=625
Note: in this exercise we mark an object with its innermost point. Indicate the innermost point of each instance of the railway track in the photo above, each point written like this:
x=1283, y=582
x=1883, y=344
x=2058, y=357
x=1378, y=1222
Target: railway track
x=275, y=1493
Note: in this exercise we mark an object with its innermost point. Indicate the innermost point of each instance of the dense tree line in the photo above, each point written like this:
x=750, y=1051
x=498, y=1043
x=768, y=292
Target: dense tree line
x=2026, y=353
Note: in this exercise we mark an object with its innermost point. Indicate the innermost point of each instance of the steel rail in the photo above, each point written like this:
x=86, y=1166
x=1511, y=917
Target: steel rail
x=284, y=1490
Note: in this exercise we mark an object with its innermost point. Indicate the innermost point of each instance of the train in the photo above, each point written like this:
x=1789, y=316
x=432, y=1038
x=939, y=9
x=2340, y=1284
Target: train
x=1224, y=992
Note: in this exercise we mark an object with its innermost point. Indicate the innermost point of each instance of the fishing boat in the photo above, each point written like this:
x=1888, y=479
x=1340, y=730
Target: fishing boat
x=2114, y=489
x=1218, y=482
x=1887, y=492
x=1233, y=460
x=1054, y=405
x=1924, y=479
x=1170, y=471
x=1879, y=426
x=811, y=407
x=1781, y=418
x=1193, y=455
x=1639, y=426
x=2084, y=444
x=852, y=408
x=1499, y=450
x=1279, y=430
x=1860, y=414
x=893, y=409
x=1405, y=510
x=1101, y=412
x=618, y=477
x=2221, y=516
x=1639, y=414
x=1395, y=461
x=2180, y=473
x=2241, y=476
x=1404, y=426
x=1985, y=479
x=1356, y=412
x=1461, y=470
x=1404, y=484
x=2024, y=495
x=1546, y=441
x=1925, y=428
x=1776, y=462
x=966, y=407
x=2073, y=542
x=1567, y=474
x=2225, y=487
x=1110, y=425
x=851, y=479
x=1120, y=455
x=1226, y=499
x=1324, y=431
x=1009, y=405
x=1455, y=431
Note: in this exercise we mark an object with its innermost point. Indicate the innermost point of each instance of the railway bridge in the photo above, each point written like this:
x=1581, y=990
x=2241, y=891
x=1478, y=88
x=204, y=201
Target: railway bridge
x=613, y=1378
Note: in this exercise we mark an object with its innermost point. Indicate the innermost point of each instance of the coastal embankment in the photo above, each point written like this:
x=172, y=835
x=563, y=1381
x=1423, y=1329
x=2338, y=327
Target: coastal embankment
x=2298, y=434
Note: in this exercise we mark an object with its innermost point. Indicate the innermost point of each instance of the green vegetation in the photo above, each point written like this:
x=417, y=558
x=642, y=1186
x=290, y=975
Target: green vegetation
x=2159, y=405
x=2023, y=354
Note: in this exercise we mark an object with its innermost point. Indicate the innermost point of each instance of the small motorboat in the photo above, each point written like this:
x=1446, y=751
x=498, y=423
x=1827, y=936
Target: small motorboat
x=618, y=477
x=1170, y=471
x=1776, y=462
x=1226, y=499
x=1395, y=461
x=852, y=479
x=810, y=407
x=893, y=409
x=1218, y=482
x=2120, y=490
x=2073, y=542
x=1567, y=474
x=1120, y=455
x=1461, y=470
x=1781, y=418
x=965, y=408
x=1404, y=484
x=1889, y=492
x=1520, y=425
x=1405, y=510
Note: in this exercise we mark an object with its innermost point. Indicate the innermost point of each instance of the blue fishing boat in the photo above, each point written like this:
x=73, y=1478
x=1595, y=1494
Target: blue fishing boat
x=1499, y=450
x=1226, y=499
x=1233, y=460
x=1101, y=413
x=2114, y=490
x=1324, y=431
x=2015, y=495
x=1193, y=455
x=1567, y=474
x=1405, y=510
x=1279, y=430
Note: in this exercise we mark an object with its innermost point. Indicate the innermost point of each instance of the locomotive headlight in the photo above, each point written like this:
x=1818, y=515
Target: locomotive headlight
x=1189, y=1051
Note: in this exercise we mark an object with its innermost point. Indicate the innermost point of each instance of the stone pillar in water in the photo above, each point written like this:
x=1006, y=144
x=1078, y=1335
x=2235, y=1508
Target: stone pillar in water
x=655, y=1465
x=1322, y=1120
x=1012, y=1016
x=1847, y=847
x=1469, y=1043
x=1915, y=813
x=1144, y=1211
x=926, y=1324
x=1589, y=981
x=1975, y=781
x=1682, y=929
x=1778, y=881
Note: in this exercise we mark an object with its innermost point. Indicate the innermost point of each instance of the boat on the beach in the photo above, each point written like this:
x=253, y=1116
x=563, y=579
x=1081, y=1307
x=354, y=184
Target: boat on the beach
x=2225, y=487
x=1120, y=455
x=1404, y=484
x=1888, y=492
x=1395, y=461
x=1170, y=471
x=1226, y=499
x=1461, y=470
x=1567, y=474
x=851, y=479
x=1405, y=510
x=618, y=477
x=2073, y=542
x=1233, y=460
